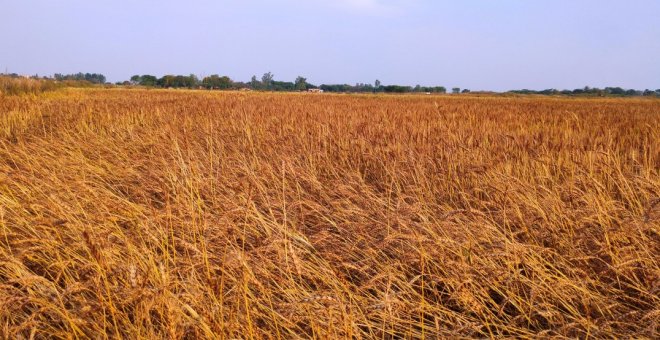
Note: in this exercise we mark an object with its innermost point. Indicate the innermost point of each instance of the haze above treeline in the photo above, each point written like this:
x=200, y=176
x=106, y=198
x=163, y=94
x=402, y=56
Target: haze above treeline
x=267, y=82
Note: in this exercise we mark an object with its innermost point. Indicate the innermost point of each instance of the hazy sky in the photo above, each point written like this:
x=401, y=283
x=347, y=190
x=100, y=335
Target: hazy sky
x=476, y=44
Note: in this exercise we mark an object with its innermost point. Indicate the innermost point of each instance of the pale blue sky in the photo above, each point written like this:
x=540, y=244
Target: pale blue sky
x=476, y=44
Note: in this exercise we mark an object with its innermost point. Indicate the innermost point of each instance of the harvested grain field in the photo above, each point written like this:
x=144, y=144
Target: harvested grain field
x=169, y=214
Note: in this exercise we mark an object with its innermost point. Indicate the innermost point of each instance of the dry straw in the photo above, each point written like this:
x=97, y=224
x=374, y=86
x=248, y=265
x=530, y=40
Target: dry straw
x=181, y=214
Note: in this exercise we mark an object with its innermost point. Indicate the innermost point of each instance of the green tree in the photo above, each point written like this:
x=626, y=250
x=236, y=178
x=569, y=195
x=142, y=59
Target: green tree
x=267, y=80
x=166, y=81
x=148, y=80
x=300, y=84
x=193, y=81
x=217, y=82
x=377, y=85
x=254, y=83
x=456, y=90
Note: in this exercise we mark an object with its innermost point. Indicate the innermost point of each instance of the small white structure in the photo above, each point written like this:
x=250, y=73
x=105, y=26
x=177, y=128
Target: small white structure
x=315, y=91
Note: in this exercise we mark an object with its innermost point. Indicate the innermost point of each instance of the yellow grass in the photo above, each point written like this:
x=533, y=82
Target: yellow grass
x=14, y=86
x=170, y=214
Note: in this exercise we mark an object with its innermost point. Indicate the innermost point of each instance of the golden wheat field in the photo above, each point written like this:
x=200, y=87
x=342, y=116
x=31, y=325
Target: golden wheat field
x=189, y=214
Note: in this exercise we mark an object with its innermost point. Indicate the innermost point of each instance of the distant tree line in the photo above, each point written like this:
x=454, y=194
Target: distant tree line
x=593, y=91
x=267, y=82
x=94, y=78
x=377, y=88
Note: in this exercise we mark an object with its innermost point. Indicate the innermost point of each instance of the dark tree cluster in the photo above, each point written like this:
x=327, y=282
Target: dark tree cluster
x=378, y=87
x=144, y=80
x=430, y=89
x=178, y=81
x=267, y=82
x=593, y=91
x=215, y=81
x=94, y=78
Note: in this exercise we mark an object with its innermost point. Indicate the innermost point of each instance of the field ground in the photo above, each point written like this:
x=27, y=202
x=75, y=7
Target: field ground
x=169, y=214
